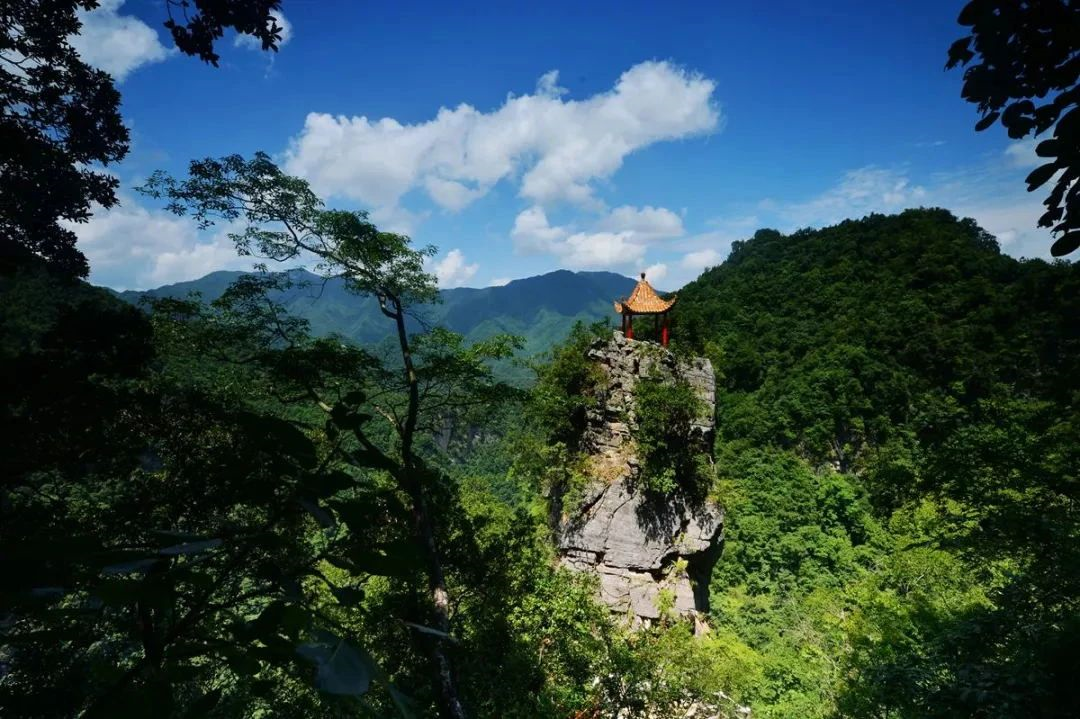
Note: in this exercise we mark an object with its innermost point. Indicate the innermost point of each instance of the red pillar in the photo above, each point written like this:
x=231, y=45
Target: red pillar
x=664, y=332
x=630, y=327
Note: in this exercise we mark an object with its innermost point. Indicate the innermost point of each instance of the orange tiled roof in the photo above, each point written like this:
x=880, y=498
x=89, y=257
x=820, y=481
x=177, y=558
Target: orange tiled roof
x=644, y=300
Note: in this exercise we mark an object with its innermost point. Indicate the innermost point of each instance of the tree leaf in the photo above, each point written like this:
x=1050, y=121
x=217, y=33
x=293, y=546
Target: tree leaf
x=959, y=53
x=969, y=14
x=135, y=566
x=190, y=547
x=986, y=121
x=398, y=559
x=329, y=483
x=1040, y=175
x=349, y=596
x=324, y=518
x=1066, y=244
x=205, y=704
x=341, y=668
x=1047, y=148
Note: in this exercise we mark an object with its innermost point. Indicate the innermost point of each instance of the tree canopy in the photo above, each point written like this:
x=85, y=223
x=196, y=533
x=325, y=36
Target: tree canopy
x=60, y=123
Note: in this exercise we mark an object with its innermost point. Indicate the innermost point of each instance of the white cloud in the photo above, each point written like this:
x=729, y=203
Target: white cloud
x=499, y=282
x=533, y=233
x=253, y=43
x=701, y=259
x=115, y=43
x=450, y=194
x=1012, y=220
x=195, y=260
x=131, y=247
x=1022, y=153
x=656, y=273
x=452, y=270
x=646, y=223
x=554, y=147
x=600, y=249
x=619, y=239
x=394, y=218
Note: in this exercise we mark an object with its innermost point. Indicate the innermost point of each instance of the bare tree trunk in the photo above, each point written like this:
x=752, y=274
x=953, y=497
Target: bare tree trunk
x=424, y=526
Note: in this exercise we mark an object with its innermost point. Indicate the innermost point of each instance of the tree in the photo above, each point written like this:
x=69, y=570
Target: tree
x=1025, y=74
x=60, y=118
x=196, y=498
x=283, y=220
x=197, y=32
x=153, y=529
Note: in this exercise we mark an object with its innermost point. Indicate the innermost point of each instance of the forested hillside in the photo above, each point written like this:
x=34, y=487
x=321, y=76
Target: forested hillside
x=540, y=309
x=898, y=420
x=207, y=507
x=849, y=487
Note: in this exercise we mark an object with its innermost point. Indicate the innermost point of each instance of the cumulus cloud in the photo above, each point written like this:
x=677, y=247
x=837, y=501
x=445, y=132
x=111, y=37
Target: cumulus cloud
x=619, y=239
x=115, y=43
x=532, y=232
x=195, y=260
x=1012, y=219
x=131, y=247
x=395, y=218
x=646, y=223
x=585, y=250
x=253, y=43
x=554, y=147
x=452, y=270
x=700, y=259
x=656, y=273
x=1022, y=153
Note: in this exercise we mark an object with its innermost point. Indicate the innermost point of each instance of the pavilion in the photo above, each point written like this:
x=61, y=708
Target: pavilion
x=644, y=301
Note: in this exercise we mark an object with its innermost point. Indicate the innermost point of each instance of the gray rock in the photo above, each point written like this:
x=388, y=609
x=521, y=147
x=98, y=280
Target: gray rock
x=631, y=544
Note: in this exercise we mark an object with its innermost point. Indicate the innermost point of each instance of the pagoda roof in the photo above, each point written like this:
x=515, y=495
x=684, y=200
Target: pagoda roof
x=643, y=301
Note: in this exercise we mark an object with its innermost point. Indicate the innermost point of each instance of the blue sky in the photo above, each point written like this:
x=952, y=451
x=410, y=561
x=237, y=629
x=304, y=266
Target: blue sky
x=602, y=136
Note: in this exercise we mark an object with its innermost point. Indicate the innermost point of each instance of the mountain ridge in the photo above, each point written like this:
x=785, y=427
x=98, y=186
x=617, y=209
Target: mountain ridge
x=542, y=309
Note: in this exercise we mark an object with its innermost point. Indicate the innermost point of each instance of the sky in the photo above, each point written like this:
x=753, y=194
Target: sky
x=523, y=138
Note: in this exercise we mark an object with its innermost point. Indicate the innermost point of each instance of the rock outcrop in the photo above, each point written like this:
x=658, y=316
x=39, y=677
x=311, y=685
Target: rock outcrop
x=647, y=552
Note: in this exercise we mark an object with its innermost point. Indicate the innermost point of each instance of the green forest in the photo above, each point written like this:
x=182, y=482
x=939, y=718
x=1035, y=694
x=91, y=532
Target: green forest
x=244, y=504
x=202, y=489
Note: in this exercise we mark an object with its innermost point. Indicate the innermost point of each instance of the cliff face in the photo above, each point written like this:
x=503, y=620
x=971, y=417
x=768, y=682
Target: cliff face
x=646, y=550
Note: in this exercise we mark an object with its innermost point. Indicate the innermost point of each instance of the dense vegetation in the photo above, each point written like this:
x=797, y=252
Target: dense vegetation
x=210, y=510
x=205, y=505
x=219, y=508
x=541, y=310
x=897, y=415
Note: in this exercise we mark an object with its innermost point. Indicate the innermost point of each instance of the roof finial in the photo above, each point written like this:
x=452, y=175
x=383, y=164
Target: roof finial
x=642, y=275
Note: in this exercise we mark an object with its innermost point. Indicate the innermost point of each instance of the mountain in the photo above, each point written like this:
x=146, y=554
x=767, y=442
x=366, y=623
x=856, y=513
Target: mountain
x=898, y=412
x=541, y=309
x=832, y=337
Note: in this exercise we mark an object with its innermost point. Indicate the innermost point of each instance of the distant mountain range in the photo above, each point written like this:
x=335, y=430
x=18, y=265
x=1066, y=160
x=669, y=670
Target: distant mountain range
x=540, y=309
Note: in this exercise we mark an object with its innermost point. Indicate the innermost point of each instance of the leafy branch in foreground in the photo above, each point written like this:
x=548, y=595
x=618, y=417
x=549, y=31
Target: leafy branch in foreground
x=1027, y=75
x=283, y=220
x=156, y=538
